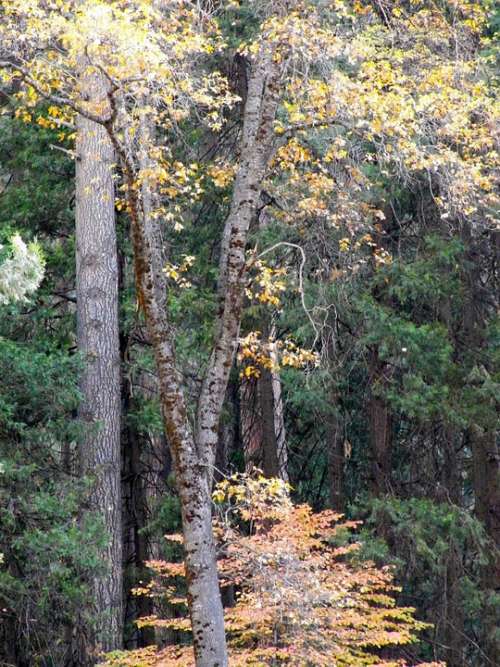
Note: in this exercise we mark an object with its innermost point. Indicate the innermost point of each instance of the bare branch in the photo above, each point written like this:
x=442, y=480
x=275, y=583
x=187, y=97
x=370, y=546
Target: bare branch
x=301, y=280
x=57, y=99
x=66, y=151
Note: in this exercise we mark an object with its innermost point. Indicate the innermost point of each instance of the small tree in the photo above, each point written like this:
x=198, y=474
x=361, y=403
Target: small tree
x=301, y=599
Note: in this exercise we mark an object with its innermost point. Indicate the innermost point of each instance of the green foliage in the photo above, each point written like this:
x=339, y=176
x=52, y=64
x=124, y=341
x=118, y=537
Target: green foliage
x=409, y=311
x=412, y=316
x=426, y=542
x=48, y=547
x=35, y=197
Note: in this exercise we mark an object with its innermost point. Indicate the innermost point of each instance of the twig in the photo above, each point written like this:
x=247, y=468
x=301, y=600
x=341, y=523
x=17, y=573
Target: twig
x=301, y=280
x=71, y=153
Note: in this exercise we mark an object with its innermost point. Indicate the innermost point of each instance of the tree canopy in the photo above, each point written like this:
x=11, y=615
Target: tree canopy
x=249, y=299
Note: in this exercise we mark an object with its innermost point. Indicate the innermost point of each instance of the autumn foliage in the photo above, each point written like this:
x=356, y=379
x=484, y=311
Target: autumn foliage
x=301, y=595
x=334, y=131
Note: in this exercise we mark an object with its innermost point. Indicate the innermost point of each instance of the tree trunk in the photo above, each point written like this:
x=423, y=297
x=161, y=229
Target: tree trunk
x=136, y=549
x=454, y=636
x=193, y=450
x=451, y=469
x=98, y=343
x=486, y=479
x=336, y=456
x=380, y=428
x=270, y=462
x=279, y=417
x=228, y=432
x=483, y=436
x=193, y=484
x=250, y=423
x=262, y=419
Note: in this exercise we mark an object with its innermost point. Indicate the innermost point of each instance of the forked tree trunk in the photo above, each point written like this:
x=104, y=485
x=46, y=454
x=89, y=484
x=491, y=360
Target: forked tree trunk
x=193, y=450
x=98, y=343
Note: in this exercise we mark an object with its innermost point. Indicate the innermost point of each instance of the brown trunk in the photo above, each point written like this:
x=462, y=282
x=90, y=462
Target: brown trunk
x=228, y=431
x=380, y=428
x=486, y=479
x=336, y=460
x=454, y=635
x=262, y=419
x=270, y=462
x=250, y=423
x=452, y=479
x=483, y=436
x=135, y=543
x=98, y=343
x=262, y=425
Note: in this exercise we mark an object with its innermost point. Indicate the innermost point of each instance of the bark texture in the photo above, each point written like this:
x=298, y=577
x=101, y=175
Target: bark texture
x=270, y=462
x=250, y=423
x=336, y=459
x=380, y=428
x=263, y=433
x=193, y=447
x=483, y=437
x=98, y=343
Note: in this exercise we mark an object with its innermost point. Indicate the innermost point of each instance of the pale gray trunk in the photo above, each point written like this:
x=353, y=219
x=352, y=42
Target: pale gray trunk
x=98, y=343
x=279, y=417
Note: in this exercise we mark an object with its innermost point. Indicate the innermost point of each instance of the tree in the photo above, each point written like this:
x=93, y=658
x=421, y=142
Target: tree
x=194, y=452
x=98, y=344
x=301, y=595
x=48, y=554
x=370, y=129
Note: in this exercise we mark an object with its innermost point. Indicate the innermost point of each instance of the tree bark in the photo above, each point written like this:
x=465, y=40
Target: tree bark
x=270, y=462
x=380, y=429
x=193, y=450
x=454, y=620
x=136, y=550
x=279, y=417
x=262, y=418
x=192, y=481
x=483, y=437
x=250, y=423
x=486, y=479
x=336, y=459
x=98, y=344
